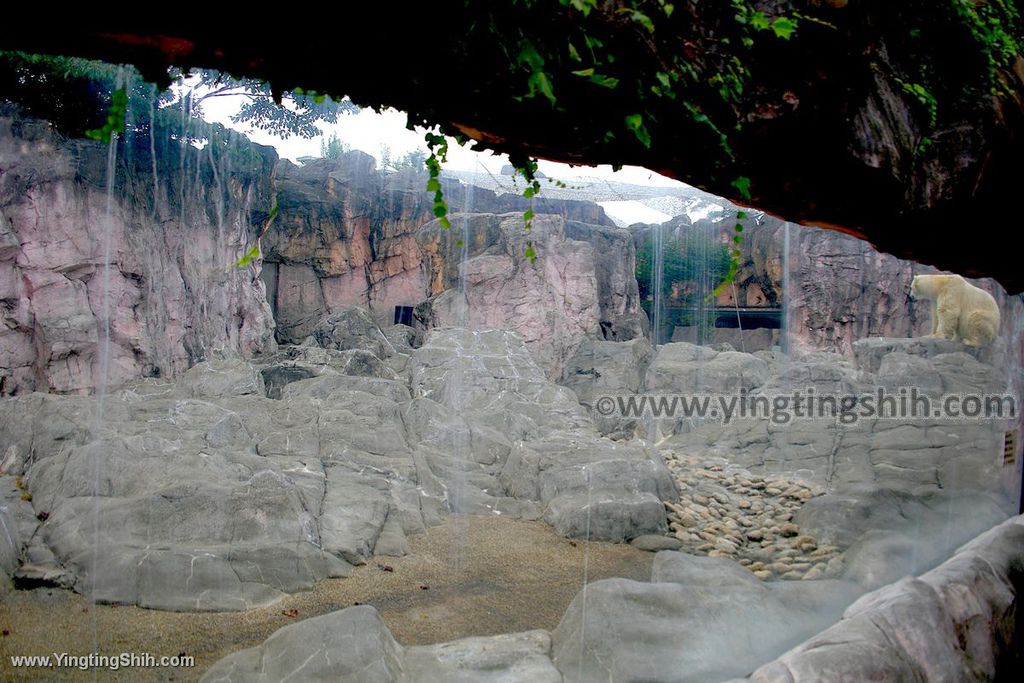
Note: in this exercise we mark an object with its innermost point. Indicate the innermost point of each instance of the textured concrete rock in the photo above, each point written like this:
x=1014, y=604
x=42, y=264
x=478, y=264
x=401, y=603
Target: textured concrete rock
x=682, y=367
x=847, y=447
x=606, y=515
x=955, y=623
x=497, y=287
x=348, y=646
x=218, y=379
x=352, y=329
x=507, y=658
x=685, y=630
x=606, y=368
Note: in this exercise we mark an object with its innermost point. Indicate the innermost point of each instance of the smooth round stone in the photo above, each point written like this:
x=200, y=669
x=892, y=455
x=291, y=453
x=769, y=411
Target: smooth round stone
x=789, y=530
x=653, y=543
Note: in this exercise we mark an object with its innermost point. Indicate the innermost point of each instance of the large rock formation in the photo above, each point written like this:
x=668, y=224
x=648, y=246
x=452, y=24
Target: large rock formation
x=580, y=283
x=174, y=227
x=238, y=482
x=345, y=236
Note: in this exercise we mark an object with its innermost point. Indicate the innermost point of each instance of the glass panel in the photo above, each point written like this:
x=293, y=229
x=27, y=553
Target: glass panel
x=246, y=388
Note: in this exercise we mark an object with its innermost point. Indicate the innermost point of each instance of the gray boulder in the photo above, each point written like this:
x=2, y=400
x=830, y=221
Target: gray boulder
x=348, y=646
x=352, y=329
x=507, y=658
x=220, y=378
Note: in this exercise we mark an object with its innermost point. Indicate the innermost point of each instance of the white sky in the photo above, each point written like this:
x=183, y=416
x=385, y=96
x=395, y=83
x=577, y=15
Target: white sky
x=370, y=132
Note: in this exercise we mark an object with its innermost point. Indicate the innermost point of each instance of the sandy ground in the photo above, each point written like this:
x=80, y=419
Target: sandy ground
x=470, y=576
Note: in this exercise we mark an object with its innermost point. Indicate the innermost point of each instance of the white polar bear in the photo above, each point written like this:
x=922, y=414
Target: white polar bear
x=962, y=311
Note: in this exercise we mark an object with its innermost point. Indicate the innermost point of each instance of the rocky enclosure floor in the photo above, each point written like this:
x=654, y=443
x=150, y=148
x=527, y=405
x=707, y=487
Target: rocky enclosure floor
x=471, y=576
x=727, y=511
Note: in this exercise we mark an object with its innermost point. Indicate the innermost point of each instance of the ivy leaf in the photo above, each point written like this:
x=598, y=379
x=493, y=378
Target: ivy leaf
x=605, y=81
x=530, y=252
x=249, y=257
x=529, y=56
x=539, y=81
x=643, y=20
x=528, y=216
x=759, y=21
x=433, y=185
x=530, y=192
x=635, y=122
x=573, y=54
x=740, y=215
x=445, y=223
x=784, y=27
x=742, y=185
x=440, y=210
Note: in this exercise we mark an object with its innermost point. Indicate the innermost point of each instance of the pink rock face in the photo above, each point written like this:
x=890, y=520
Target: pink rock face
x=551, y=303
x=346, y=236
x=170, y=296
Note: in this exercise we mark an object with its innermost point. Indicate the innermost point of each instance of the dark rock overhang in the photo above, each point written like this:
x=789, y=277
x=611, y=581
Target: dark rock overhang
x=830, y=133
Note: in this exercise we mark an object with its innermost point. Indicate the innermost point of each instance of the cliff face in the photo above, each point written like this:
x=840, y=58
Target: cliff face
x=176, y=225
x=580, y=284
x=346, y=236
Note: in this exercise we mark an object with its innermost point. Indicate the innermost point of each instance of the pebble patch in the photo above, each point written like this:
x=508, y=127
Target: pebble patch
x=726, y=511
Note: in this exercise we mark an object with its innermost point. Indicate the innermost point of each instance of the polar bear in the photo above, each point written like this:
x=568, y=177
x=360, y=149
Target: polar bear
x=962, y=311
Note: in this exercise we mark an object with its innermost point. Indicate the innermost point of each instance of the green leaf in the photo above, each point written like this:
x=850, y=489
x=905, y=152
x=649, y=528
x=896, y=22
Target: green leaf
x=759, y=21
x=574, y=55
x=530, y=252
x=742, y=185
x=585, y=72
x=643, y=20
x=635, y=122
x=539, y=81
x=530, y=192
x=737, y=239
x=249, y=257
x=445, y=223
x=528, y=216
x=668, y=8
x=440, y=210
x=528, y=55
x=605, y=81
x=433, y=185
x=741, y=215
x=784, y=27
